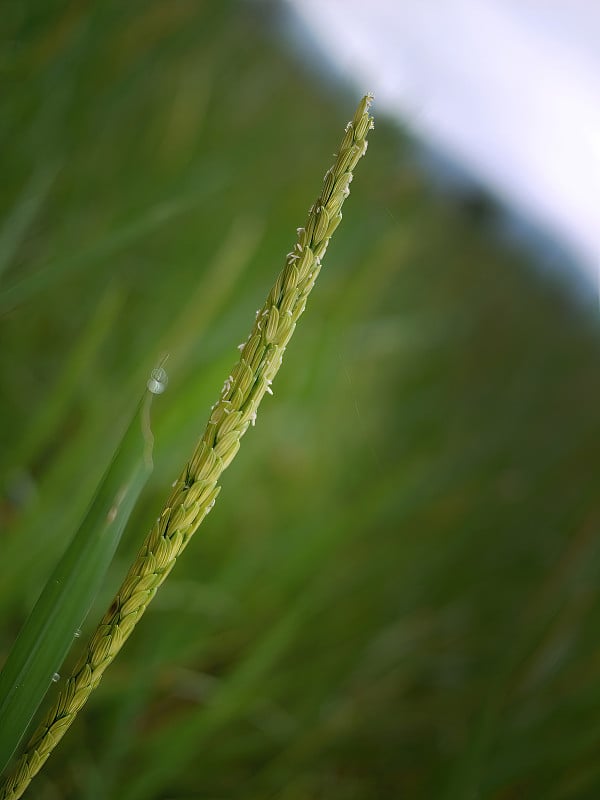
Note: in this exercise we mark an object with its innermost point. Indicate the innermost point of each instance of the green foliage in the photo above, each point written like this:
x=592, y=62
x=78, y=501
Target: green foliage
x=54, y=623
x=397, y=595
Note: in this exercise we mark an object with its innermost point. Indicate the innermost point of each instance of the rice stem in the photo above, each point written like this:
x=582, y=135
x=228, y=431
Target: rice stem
x=196, y=490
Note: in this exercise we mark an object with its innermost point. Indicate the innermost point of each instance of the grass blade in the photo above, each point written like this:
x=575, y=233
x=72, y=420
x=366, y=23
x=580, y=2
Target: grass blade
x=52, y=626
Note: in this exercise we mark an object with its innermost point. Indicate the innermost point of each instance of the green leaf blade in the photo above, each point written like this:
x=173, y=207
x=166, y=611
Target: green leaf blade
x=51, y=628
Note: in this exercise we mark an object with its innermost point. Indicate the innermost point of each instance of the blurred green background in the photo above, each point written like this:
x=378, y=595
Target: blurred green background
x=397, y=593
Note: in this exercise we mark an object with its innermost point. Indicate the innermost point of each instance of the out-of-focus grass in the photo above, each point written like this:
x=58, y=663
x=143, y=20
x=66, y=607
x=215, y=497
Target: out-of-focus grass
x=397, y=592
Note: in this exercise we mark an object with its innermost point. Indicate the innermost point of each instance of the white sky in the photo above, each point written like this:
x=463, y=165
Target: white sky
x=510, y=89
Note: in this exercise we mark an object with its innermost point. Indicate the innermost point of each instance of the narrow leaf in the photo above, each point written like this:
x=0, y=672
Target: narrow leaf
x=54, y=622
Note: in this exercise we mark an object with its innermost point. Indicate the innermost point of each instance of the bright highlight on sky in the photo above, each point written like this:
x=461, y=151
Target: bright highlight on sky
x=509, y=89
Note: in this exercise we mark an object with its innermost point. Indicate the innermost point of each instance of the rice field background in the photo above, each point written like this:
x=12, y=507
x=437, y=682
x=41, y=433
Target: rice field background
x=396, y=594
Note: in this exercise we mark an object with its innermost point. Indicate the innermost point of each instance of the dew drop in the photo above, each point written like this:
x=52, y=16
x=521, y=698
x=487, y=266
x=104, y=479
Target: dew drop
x=77, y=633
x=55, y=677
x=158, y=381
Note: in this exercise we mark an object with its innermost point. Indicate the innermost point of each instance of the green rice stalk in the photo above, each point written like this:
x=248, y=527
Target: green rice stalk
x=196, y=490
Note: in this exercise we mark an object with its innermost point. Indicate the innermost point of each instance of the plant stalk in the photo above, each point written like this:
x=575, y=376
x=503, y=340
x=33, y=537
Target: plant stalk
x=196, y=490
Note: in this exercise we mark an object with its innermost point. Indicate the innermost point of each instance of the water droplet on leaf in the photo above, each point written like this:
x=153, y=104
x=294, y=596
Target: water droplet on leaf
x=158, y=381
